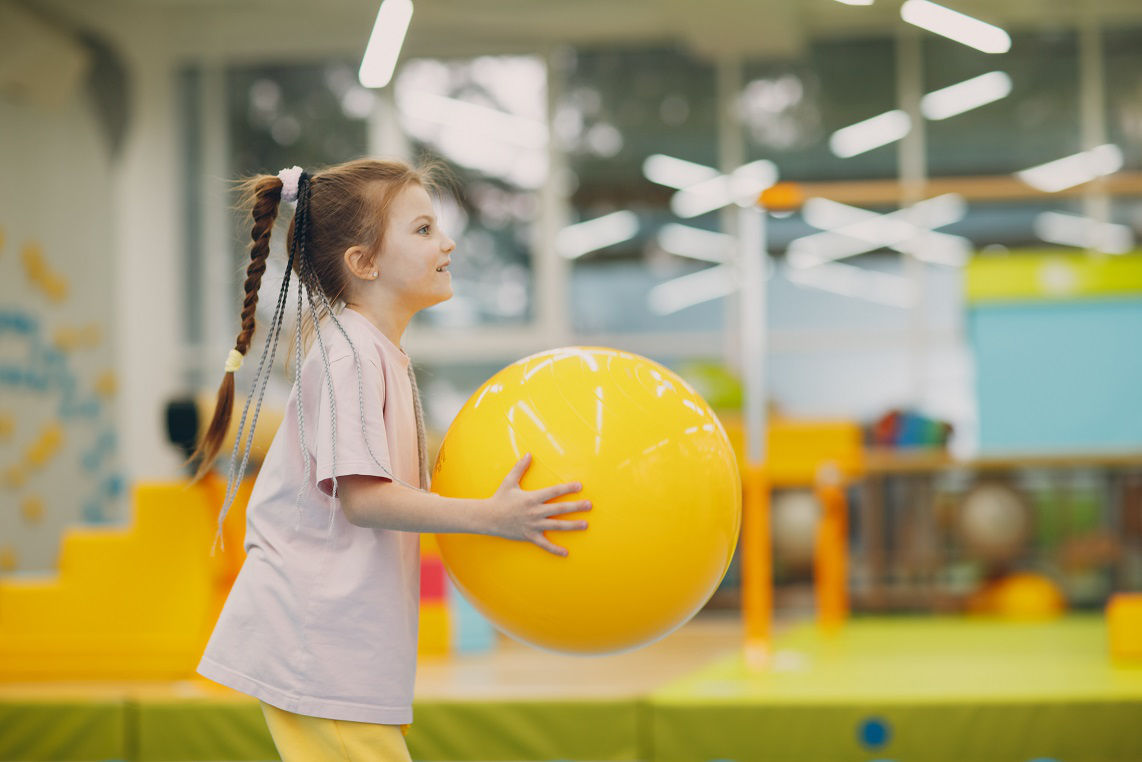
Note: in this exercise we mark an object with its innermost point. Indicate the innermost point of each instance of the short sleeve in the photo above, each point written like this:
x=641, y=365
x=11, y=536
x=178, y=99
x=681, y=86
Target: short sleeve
x=349, y=438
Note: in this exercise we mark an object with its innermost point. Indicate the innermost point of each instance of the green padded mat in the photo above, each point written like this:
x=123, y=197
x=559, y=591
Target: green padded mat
x=75, y=729
x=912, y=689
x=907, y=690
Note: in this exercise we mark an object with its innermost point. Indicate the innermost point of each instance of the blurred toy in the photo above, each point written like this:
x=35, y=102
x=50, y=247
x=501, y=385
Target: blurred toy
x=187, y=418
x=1124, y=626
x=906, y=428
x=1022, y=595
x=994, y=522
x=825, y=456
x=795, y=517
x=717, y=384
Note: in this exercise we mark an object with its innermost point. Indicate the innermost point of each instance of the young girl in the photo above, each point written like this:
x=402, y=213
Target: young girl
x=321, y=623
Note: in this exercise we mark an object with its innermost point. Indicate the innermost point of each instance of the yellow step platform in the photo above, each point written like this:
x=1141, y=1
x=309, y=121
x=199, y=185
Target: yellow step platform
x=138, y=602
x=135, y=602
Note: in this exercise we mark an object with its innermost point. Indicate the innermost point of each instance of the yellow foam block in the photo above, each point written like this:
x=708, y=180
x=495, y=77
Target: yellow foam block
x=429, y=548
x=435, y=629
x=136, y=602
x=85, y=551
x=1124, y=625
x=797, y=449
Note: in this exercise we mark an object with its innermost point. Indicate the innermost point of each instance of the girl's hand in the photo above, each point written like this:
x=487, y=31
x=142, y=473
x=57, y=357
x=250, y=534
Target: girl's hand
x=518, y=514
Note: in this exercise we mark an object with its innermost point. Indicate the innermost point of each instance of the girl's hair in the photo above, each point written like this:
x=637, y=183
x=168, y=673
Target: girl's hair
x=338, y=207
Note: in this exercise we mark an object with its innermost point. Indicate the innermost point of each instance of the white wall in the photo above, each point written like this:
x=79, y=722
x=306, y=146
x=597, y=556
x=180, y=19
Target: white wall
x=55, y=199
x=107, y=227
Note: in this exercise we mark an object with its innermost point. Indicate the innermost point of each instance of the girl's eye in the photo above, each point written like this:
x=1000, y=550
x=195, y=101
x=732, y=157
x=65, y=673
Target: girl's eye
x=422, y=229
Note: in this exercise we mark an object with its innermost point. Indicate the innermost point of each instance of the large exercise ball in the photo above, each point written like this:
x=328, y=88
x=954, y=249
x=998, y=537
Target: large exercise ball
x=657, y=467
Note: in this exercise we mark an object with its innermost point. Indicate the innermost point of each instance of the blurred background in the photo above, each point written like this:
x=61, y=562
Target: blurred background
x=953, y=292
x=124, y=124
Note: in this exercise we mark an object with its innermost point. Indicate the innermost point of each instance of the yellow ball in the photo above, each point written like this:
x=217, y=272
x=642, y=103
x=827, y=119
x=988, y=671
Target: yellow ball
x=657, y=467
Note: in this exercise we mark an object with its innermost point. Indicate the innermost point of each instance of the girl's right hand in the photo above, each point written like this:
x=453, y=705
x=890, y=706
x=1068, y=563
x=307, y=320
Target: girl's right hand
x=518, y=514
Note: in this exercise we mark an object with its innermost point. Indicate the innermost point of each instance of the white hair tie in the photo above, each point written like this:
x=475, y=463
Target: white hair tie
x=290, y=178
x=233, y=361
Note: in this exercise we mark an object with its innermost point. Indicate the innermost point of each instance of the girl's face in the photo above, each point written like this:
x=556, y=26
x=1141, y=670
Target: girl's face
x=415, y=252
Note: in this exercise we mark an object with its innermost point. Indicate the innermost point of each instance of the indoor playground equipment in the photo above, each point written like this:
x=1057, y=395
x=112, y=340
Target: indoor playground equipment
x=1019, y=596
x=1049, y=328
x=1124, y=625
x=826, y=457
x=448, y=622
x=658, y=468
x=138, y=602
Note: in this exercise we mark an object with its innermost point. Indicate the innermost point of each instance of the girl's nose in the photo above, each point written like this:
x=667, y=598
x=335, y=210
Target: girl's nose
x=449, y=245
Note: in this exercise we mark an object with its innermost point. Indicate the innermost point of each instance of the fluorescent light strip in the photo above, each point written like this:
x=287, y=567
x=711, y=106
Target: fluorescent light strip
x=841, y=219
x=1073, y=170
x=380, y=59
x=926, y=245
x=956, y=26
x=584, y=237
x=702, y=197
x=965, y=96
x=749, y=180
x=856, y=282
x=850, y=230
x=1084, y=233
x=694, y=243
x=742, y=186
x=871, y=133
x=940, y=104
x=938, y=248
x=695, y=288
x=675, y=173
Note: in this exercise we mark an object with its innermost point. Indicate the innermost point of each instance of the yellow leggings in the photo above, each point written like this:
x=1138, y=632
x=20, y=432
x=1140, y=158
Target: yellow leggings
x=300, y=738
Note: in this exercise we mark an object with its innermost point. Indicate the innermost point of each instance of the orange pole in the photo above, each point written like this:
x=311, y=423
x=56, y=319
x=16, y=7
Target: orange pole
x=831, y=552
x=757, y=567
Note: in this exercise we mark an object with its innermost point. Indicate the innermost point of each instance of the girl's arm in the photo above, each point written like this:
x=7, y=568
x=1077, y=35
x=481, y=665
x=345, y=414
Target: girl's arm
x=512, y=513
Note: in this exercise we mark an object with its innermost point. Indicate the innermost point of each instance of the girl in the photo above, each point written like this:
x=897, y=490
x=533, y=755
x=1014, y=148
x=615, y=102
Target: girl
x=321, y=623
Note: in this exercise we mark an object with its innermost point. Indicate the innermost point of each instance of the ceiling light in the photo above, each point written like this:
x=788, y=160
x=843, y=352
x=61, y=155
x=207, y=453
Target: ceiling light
x=695, y=243
x=584, y=237
x=675, y=173
x=956, y=26
x=1073, y=170
x=965, y=96
x=850, y=231
x=1084, y=233
x=385, y=42
x=695, y=288
x=871, y=133
x=742, y=186
x=857, y=282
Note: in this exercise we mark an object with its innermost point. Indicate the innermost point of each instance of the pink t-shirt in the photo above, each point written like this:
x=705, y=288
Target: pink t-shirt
x=322, y=619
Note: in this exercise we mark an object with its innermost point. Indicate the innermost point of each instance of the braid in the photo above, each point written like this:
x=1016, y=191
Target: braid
x=258, y=390
x=300, y=414
x=265, y=211
x=311, y=284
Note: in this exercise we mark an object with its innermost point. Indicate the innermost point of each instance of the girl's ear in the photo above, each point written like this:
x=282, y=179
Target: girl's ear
x=360, y=263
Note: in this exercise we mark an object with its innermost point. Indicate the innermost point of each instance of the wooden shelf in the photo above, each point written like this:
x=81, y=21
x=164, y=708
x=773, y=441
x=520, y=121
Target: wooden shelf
x=891, y=461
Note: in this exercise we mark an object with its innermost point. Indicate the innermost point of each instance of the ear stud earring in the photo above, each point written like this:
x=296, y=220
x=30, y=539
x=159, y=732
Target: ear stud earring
x=374, y=273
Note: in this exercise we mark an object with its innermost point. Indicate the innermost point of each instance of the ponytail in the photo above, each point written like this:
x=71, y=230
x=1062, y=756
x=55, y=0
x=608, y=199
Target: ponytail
x=263, y=195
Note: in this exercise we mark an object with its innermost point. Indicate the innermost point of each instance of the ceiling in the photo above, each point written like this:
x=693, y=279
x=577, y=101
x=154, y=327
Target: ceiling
x=708, y=28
